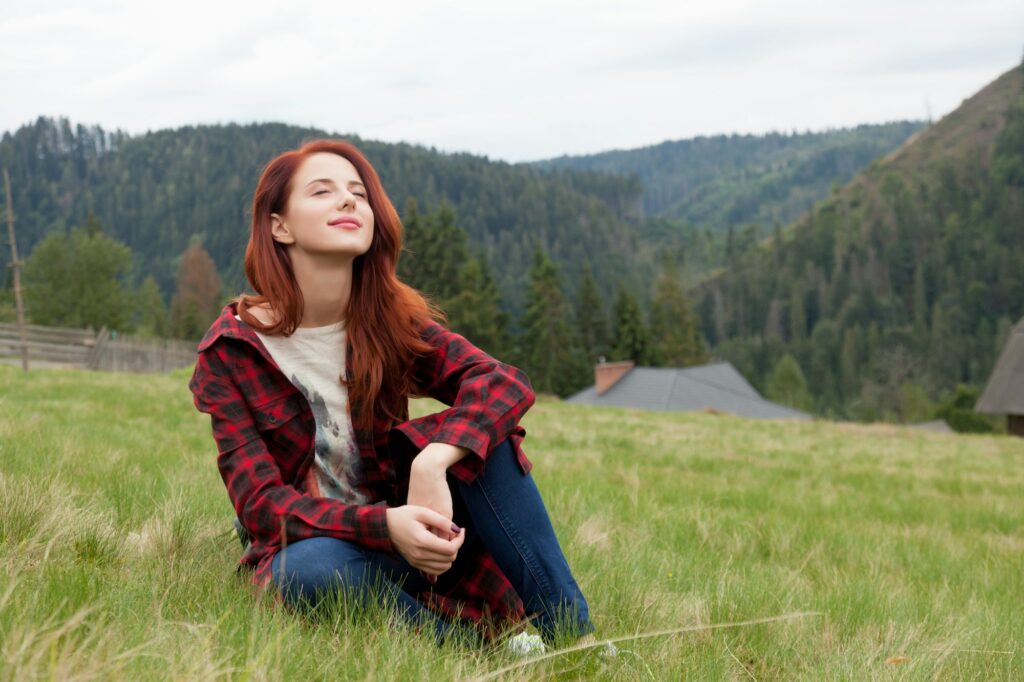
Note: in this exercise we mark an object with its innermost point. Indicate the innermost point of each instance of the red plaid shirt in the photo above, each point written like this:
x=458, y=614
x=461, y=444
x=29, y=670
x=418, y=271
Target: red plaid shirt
x=265, y=430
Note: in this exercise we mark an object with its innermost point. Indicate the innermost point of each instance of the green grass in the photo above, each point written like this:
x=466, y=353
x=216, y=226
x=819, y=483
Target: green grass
x=116, y=561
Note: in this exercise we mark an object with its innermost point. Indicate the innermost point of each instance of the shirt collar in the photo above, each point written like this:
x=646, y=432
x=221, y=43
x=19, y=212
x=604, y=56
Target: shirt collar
x=228, y=326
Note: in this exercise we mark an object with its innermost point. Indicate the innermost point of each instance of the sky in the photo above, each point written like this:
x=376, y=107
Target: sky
x=515, y=81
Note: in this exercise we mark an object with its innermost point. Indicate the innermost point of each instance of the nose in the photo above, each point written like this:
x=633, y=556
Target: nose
x=347, y=197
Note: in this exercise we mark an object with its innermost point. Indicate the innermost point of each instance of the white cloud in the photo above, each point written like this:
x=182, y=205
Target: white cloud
x=513, y=80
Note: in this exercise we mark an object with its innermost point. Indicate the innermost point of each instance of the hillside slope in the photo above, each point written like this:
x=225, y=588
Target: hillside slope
x=159, y=190
x=907, y=279
x=731, y=180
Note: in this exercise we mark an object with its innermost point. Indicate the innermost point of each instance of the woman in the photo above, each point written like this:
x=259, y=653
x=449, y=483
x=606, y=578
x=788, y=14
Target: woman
x=307, y=385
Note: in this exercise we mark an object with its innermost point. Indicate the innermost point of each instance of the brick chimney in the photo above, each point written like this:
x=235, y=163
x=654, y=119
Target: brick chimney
x=606, y=374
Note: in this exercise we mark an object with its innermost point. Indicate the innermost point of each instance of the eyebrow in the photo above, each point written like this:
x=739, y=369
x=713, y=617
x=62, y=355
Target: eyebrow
x=350, y=182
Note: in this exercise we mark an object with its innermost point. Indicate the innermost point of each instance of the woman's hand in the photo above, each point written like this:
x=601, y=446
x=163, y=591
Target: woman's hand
x=428, y=487
x=420, y=535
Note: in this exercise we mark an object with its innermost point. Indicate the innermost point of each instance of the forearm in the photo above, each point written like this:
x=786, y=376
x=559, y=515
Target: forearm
x=440, y=456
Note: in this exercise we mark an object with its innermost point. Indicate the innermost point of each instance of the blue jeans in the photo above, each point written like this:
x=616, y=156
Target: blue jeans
x=501, y=510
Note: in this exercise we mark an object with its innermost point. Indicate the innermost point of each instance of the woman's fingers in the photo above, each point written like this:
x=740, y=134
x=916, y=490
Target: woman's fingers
x=429, y=544
x=433, y=520
x=414, y=530
x=434, y=568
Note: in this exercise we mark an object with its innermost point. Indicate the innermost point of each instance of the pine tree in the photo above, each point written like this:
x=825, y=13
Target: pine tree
x=591, y=323
x=437, y=248
x=629, y=335
x=787, y=384
x=675, y=338
x=849, y=364
x=920, y=303
x=797, y=316
x=197, y=298
x=475, y=311
x=412, y=227
x=151, y=312
x=553, y=357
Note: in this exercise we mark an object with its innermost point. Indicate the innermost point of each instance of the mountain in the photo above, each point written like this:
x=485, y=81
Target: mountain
x=733, y=180
x=901, y=284
x=158, y=191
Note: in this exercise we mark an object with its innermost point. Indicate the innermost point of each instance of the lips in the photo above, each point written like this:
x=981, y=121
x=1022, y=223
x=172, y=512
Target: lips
x=346, y=222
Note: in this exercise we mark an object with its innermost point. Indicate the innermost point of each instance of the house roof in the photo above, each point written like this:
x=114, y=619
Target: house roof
x=717, y=386
x=1004, y=393
x=937, y=425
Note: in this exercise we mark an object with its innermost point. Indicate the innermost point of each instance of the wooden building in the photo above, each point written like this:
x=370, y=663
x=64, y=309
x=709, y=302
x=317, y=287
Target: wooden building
x=1004, y=392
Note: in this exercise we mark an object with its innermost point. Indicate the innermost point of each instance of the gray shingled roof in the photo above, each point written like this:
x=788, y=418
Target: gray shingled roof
x=716, y=386
x=937, y=425
x=1004, y=393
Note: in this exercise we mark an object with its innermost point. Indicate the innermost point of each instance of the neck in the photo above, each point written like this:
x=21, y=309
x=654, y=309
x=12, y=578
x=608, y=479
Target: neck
x=326, y=285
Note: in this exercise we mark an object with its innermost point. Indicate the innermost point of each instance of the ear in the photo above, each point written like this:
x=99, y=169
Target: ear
x=279, y=230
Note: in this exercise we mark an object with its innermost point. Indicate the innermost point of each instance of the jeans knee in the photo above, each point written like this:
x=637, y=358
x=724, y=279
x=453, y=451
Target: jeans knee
x=314, y=571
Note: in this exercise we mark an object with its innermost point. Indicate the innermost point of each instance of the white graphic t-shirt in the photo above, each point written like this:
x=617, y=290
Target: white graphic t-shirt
x=313, y=358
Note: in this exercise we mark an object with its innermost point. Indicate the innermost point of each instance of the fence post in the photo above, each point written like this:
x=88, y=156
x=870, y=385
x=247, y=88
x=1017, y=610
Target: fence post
x=16, y=266
x=96, y=354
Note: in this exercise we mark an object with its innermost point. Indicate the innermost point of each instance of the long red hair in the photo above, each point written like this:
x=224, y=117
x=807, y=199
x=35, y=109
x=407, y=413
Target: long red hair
x=384, y=316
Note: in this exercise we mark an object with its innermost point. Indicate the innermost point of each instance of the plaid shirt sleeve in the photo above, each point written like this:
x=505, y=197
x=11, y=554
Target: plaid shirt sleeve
x=265, y=504
x=486, y=397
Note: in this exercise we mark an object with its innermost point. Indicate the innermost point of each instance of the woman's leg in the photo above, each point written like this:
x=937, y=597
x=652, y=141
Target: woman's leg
x=308, y=570
x=508, y=515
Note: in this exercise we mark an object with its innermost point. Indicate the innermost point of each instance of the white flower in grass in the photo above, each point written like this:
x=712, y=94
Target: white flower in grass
x=525, y=645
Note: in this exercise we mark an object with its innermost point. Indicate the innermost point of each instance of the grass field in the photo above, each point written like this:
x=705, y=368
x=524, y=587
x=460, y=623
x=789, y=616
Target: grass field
x=116, y=560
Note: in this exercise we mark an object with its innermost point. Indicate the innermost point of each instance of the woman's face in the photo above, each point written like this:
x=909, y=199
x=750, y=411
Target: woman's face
x=327, y=211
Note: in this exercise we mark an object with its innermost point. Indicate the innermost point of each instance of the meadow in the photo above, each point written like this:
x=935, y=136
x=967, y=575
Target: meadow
x=117, y=556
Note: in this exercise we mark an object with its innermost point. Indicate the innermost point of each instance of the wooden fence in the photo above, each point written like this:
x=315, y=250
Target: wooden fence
x=89, y=349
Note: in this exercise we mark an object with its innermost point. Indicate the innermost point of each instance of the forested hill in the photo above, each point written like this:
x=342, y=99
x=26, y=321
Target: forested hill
x=900, y=285
x=732, y=180
x=159, y=190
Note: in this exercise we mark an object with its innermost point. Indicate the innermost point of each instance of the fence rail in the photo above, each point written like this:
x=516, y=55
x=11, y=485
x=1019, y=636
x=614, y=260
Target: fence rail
x=91, y=349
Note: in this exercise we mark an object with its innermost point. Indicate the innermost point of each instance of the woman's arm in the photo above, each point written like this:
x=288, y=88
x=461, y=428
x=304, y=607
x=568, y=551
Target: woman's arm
x=264, y=503
x=487, y=399
x=268, y=508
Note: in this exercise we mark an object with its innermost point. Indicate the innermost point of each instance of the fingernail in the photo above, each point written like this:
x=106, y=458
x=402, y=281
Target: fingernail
x=456, y=529
x=432, y=579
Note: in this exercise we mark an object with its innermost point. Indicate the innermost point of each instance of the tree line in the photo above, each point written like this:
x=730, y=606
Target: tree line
x=893, y=298
x=86, y=278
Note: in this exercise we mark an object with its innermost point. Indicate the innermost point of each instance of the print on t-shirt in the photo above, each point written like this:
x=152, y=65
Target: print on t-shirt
x=338, y=468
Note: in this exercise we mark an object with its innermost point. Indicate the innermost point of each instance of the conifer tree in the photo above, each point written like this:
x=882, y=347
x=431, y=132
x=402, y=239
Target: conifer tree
x=437, y=248
x=553, y=357
x=629, y=335
x=412, y=226
x=675, y=338
x=151, y=312
x=849, y=364
x=920, y=303
x=797, y=316
x=197, y=298
x=787, y=384
x=475, y=311
x=591, y=323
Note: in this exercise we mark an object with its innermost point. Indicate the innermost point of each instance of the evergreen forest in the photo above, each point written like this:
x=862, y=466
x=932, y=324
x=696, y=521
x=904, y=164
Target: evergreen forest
x=864, y=273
